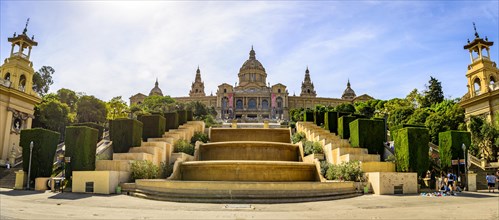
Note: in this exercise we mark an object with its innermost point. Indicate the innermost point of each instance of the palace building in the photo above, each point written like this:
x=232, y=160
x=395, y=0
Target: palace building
x=482, y=98
x=254, y=99
x=17, y=98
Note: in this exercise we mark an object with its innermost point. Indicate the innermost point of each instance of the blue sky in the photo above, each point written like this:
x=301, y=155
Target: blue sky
x=385, y=48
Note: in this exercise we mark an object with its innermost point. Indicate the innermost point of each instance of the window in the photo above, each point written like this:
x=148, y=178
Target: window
x=279, y=102
x=265, y=104
x=476, y=86
x=239, y=104
x=7, y=76
x=225, y=90
x=89, y=187
x=308, y=90
x=22, y=83
x=279, y=91
x=252, y=104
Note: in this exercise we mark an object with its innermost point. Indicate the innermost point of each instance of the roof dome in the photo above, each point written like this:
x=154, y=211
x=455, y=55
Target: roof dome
x=348, y=93
x=156, y=90
x=252, y=62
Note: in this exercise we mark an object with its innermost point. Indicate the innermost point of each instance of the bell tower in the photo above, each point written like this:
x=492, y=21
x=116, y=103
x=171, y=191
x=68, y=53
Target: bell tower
x=197, y=87
x=18, y=98
x=482, y=73
x=307, y=86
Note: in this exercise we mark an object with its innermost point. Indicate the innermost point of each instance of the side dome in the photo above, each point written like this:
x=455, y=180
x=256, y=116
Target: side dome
x=156, y=90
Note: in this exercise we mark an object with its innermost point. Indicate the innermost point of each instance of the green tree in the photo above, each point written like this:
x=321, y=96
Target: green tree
x=42, y=79
x=345, y=107
x=158, y=104
x=69, y=97
x=485, y=138
x=433, y=93
x=447, y=115
x=419, y=116
x=116, y=108
x=91, y=109
x=51, y=114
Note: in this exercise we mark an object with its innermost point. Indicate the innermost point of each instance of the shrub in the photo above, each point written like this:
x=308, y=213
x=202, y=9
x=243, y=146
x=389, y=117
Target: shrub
x=310, y=147
x=171, y=120
x=183, y=146
x=317, y=148
x=343, y=126
x=308, y=115
x=189, y=115
x=199, y=136
x=166, y=170
x=81, y=143
x=143, y=169
x=324, y=166
x=297, y=137
x=100, y=128
x=153, y=126
x=331, y=121
x=450, y=146
x=182, y=117
x=349, y=171
x=125, y=133
x=209, y=121
x=368, y=134
x=411, y=149
x=319, y=117
x=44, y=147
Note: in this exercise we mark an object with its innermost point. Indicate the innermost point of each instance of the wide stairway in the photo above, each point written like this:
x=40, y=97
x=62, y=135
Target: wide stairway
x=245, y=165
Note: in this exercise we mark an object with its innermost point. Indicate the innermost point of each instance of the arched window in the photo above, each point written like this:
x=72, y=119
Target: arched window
x=7, y=76
x=239, y=104
x=278, y=90
x=492, y=80
x=225, y=90
x=279, y=102
x=22, y=83
x=196, y=90
x=252, y=104
x=476, y=86
x=308, y=90
x=265, y=104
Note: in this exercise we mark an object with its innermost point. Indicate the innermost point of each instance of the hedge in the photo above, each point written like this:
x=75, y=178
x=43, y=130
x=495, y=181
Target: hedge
x=343, y=126
x=411, y=150
x=368, y=134
x=92, y=125
x=44, y=147
x=171, y=120
x=308, y=115
x=81, y=144
x=182, y=117
x=189, y=115
x=125, y=133
x=153, y=126
x=331, y=121
x=393, y=128
x=319, y=117
x=450, y=146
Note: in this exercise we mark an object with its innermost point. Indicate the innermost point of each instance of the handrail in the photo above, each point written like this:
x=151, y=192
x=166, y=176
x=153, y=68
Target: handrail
x=472, y=159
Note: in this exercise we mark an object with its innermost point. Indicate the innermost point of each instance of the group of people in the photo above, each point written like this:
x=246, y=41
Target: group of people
x=448, y=184
x=491, y=180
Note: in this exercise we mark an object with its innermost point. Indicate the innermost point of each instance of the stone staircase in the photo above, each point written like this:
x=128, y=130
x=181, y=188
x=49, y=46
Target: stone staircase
x=481, y=172
x=8, y=176
x=339, y=150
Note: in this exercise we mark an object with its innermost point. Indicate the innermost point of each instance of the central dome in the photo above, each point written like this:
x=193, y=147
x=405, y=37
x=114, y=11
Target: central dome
x=252, y=62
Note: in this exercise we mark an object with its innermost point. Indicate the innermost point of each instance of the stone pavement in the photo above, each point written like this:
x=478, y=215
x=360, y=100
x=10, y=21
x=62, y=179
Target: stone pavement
x=46, y=205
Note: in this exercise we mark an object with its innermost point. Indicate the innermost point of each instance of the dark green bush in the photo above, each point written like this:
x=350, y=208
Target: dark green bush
x=349, y=171
x=199, y=136
x=450, y=146
x=100, y=128
x=189, y=115
x=153, y=126
x=368, y=134
x=125, y=133
x=331, y=122
x=343, y=126
x=411, y=150
x=171, y=120
x=297, y=137
x=182, y=117
x=311, y=147
x=319, y=117
x=81, y=143
x=183, y=146
x=308, y=115
x=144, y=169
x=44, y=147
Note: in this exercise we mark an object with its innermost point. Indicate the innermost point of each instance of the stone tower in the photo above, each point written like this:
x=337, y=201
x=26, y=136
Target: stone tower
x=307, y=87
x=348, y=93
x=197, y=87
x=482, y=98
x=156, y=90
x=18, y=97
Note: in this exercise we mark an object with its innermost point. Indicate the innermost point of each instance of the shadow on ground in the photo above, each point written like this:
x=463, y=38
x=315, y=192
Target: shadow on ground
x=20, y=192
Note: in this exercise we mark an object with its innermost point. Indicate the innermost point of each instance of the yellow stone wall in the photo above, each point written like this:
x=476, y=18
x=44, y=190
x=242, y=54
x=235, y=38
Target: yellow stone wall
x=105, y=182
x=383, y=183
x=282, y=135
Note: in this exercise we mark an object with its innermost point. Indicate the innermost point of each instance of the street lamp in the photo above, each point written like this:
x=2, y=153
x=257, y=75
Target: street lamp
x=465, y=167
x=29, y=167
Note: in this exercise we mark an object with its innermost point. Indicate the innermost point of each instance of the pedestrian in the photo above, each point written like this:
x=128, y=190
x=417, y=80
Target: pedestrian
x=450, y=180
x=491, y=181
x=7, y=165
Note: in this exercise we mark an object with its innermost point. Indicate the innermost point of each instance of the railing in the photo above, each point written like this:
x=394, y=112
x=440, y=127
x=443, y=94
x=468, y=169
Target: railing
x=5, y=82
x=494, y=86
x=19, y=54
x=472, y=159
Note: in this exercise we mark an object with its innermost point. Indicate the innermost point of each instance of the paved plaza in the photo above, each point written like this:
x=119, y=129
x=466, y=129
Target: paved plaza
x=39, y=205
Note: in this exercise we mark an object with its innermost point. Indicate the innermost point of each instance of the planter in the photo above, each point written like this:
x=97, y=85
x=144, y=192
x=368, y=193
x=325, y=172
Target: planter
x=318, y=156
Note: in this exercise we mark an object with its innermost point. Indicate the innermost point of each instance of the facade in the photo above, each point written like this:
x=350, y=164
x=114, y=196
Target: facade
x=253, y=99
x=482, y=98
x=17, y=98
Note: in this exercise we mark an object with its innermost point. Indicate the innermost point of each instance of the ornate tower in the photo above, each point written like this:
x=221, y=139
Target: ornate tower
x=482, y=97
x=156, y=90
x=18, y=98
x=252, y=73
x=307, y=87
x=348, y=93
x=197, y=87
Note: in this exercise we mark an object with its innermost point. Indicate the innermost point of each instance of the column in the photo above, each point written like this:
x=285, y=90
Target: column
x=6, y=137
x=12, y=50
x=29, y=52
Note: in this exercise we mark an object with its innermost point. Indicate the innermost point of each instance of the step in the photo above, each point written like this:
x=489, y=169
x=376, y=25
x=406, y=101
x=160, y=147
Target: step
x=113, y=165
x=132, y=156
x=338, y=152
x=360, y=157
x=377, y=166
x=156, y=152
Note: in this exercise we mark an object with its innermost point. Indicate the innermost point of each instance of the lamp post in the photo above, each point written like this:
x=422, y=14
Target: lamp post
x=29, y=167
x=465, y=167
